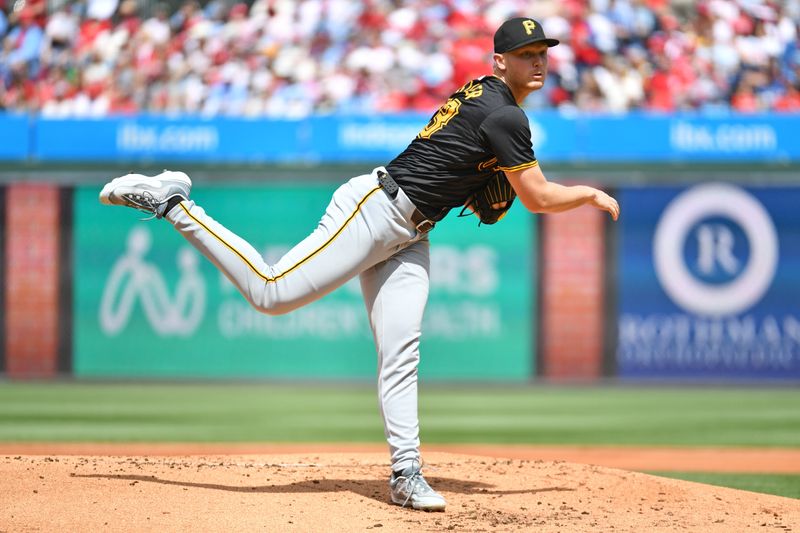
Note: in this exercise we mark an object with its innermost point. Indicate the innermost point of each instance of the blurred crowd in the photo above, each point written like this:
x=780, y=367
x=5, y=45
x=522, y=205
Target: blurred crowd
x=292, y=58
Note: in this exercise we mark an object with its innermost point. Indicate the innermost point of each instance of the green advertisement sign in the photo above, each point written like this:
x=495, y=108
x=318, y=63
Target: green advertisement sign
x=146, y=304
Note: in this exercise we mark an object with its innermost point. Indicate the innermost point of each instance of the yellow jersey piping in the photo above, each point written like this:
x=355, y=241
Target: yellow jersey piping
x=486, y=164
x=299, y=263
x=529, y=164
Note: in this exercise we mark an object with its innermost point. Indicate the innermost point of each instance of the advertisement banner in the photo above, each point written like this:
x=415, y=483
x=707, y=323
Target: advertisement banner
x=678, y=137
x=354, y=138
x=15, y=138
x=153, y=138
x=709, y=282
x=146, y=304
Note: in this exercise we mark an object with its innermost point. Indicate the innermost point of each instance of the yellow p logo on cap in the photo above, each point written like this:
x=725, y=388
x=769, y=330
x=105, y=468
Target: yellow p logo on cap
x=529, y=26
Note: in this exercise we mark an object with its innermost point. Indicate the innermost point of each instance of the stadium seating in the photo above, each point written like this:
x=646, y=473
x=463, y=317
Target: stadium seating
x=291, y=59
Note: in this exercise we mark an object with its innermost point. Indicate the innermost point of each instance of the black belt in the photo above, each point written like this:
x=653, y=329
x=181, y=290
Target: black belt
x=390, y=187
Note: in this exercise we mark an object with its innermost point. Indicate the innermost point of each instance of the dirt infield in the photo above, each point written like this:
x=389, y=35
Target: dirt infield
x=758, y=460
x=323, y=491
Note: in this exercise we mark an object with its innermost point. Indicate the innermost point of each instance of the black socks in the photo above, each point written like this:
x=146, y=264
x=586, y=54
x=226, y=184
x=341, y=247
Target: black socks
x=172, y=202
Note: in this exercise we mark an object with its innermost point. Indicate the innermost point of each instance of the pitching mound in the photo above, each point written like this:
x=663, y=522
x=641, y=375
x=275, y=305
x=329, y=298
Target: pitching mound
x=348, y=492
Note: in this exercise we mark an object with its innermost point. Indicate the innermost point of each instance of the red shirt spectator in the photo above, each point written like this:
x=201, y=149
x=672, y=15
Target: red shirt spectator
x=744, y=100
x=88, y=32
x=585, y=51
x=788, y=102
x=128, y=19
x=661, y=90
x=471, y=57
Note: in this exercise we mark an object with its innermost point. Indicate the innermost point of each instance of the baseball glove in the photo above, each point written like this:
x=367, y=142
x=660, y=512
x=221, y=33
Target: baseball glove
x=492, y=202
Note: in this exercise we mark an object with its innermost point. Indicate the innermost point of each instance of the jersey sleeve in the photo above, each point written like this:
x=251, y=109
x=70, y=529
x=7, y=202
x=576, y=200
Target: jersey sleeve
x=509, y=136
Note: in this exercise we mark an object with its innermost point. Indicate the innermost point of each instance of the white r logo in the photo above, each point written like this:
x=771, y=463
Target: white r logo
x=715, y=247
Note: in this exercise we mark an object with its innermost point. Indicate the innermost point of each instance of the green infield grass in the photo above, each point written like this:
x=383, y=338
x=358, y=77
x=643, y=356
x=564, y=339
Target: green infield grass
x=787, y=485
x=182, y=412
x=146, y=412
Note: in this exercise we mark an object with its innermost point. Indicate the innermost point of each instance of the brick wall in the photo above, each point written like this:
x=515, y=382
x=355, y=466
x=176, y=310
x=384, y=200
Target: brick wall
x=572, y=295
x=32, y=280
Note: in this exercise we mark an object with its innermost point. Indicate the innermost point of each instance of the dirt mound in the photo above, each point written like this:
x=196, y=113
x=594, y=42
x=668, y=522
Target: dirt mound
x=639, y=458
x=348, y=492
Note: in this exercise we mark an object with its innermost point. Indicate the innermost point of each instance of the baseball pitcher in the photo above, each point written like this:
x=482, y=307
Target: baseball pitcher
x=475, y=154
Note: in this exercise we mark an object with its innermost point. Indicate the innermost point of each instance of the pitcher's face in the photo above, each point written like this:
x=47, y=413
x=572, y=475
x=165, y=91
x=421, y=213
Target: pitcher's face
x=525, y=68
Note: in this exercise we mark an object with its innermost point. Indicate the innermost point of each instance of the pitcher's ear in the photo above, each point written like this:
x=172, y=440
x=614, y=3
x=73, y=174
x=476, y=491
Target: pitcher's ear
x=499, y=62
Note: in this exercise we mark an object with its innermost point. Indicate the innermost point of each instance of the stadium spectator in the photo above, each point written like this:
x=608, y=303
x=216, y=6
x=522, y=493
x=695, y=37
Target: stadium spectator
x=60, y=36
x=22, y=46
x=3, y=19
x=284, y=58
x=789, y=101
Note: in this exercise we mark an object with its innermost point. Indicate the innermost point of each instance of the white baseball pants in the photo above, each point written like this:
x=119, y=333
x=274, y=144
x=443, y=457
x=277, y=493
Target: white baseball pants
x=363, y=232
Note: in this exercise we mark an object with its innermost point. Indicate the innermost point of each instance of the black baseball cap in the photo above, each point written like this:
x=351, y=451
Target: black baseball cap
x=518, y=32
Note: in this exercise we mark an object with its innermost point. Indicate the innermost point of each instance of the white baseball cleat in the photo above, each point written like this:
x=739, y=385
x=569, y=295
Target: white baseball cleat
x=145, y=193
x=409, y=489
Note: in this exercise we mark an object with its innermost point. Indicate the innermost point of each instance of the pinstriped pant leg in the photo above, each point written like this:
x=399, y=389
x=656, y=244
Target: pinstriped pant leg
x=395, y=293
x=359, y=228
x=231, y=254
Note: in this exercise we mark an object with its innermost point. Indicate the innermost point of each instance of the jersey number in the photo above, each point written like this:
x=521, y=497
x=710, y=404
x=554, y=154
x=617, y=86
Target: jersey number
x=441, y=118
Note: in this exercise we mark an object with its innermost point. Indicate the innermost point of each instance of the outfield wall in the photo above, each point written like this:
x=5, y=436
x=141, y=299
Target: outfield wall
x=141, y=303
x=693, y=282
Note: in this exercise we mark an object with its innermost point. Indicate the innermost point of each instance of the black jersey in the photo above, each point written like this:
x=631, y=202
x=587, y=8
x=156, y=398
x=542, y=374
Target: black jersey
x=478, y=131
